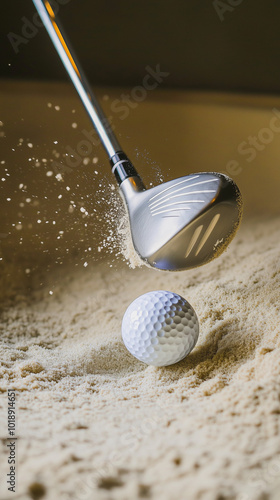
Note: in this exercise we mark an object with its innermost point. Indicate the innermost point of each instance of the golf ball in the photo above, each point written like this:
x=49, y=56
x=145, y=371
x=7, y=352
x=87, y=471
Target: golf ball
x=160, y=328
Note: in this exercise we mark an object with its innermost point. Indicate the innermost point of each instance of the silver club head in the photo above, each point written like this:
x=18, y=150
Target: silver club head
x=183, y=223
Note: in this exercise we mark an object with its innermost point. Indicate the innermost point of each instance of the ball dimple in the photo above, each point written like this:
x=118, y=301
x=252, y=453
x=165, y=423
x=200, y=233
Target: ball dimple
x=145, y=335
x=154, y=341
x=160, y=328
x=150, y=328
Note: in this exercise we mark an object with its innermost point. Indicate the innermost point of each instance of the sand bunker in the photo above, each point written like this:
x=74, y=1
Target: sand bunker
x=94, y=423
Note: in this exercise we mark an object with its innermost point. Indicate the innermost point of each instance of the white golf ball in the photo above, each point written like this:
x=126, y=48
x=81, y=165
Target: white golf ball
x=160, y=328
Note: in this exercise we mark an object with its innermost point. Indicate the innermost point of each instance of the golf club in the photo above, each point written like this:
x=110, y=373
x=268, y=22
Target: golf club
x=177, y=225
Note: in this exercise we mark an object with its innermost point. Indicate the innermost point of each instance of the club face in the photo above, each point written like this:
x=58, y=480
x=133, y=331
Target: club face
x=183, y=223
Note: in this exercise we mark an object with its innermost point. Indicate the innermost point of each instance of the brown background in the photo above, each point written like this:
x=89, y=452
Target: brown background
x=115, y=40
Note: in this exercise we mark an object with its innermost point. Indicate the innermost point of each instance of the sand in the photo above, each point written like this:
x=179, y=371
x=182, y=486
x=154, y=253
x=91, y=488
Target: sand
x=95, y=423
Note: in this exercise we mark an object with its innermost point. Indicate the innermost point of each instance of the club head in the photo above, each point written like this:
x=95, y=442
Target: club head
x=183, y=223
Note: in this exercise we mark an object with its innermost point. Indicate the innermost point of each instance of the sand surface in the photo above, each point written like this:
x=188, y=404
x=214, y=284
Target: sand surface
x=95, y=423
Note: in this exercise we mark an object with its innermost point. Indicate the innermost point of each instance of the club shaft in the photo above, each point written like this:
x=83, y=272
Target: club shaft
x=79, y=80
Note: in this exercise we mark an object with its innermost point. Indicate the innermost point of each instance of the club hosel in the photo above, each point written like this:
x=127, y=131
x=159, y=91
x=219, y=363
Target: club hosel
x=123, y=169
x=130, y=187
